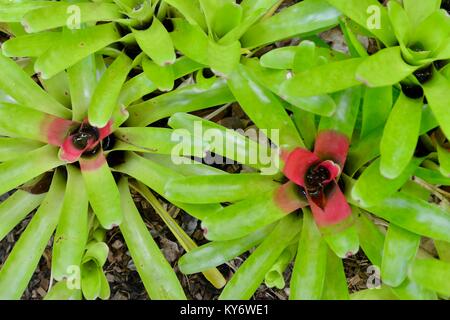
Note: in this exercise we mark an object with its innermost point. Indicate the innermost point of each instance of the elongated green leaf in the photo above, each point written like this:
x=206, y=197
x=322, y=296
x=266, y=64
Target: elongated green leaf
x=156, y=43
x=376, y=108
x=16, y=208
x=275, y=277
x=190, y=10
x=229, y=143
x=436, y=91
x=308, y=275
x=383, y=293
x=370, y=237
x=251, y=273
x=400, y=248
x=327, y=78
x=444, y=160
x=372, y=187
x=106, y=94
x=251, y=6
x=14, y=11
x=30, y=45
x=258, y=101
x=23, y=260
x=384, y=68
x=11, y=148
x=415, y=215
x=18, y=171
x=16, y=83
x=157, y=140
x=335, y=281
x=73, y=46
x=186, y=99
x=306, y=17
x=344, y=119
x=432, y=176
x=61, y=14
x=24, y=122
x=216, y=253
x=432, y=274
x=82, y=82
x=419, y=10
x=159, y=279
x=184, y=35
x=363, y=150
x=72, y=231
x=219, y=188
x=245, y=217
x=161, y=76
x=369, y=14
x=410, y=290
x=101, y=190
x=61, y=291
x=402, y=125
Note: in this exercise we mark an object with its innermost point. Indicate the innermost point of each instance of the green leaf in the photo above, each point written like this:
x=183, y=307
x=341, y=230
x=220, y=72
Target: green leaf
x=73, y=46
x=308, y=275
x=90, y=280
x=433, y=31
x=343, y=243
x=274, y=79
x=410, y=290
x=58, y=87
x=383, y=293
x=106, y=94
x=251, y=6
x=219, y=188
x=190, y=10
x=257, y=102
x=101, y=190
x=82, y=82
x=72, y=231
x=400, y=248
x=162, y=76
x=306, y=126
x=431, y=273
x=14, y=11
x=11, y=148
x=27, y=251
x=97, y=252
x=29, y=45
x=61, y=291
x=444, y=160
x=222, y=58
x=327, y=78
x=436, y=91
x=225, y=142
x=384, y=68
x=184, y=35
x=432, y=176
x=402, y=125
x=159, y=279
x=415, y=215
x=14, y=209
x=156, y=43
x=304, y=18
x=372, y=187
x=61, y=14
x=370, y=237
x=347, y=107
x=227, y=17
x=216, y=253
x=274, y=277
x=419, y=10
x=16, y=83
x=369, y=14
x=251, y=273
x=185, y=99
x=157, y=140
x=377, y=105
x=401, y=23
x=18, y=171
x=335, y=287
x=243, y=217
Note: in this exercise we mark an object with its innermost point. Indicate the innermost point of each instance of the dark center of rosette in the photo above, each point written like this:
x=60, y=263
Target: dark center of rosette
x=317, y=177
x=85, y=135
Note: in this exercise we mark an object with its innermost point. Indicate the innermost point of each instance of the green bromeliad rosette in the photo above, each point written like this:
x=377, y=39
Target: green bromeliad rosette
x=263, y=210
x=65, y=157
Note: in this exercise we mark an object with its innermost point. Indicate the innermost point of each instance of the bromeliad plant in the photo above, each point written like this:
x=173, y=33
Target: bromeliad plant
x=44, y=147
x=263, y=209
x=414, y=47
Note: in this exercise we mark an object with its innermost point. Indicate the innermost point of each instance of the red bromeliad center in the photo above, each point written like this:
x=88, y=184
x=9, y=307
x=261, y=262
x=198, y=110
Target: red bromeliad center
x=317, y=172
x=76, y=139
